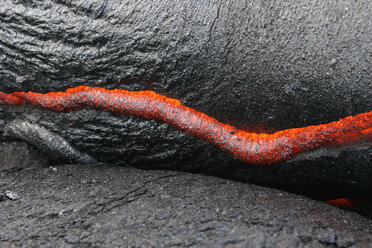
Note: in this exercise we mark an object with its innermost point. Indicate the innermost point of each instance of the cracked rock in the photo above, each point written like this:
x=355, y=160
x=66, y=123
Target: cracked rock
x=258, y=65
x=131, y=207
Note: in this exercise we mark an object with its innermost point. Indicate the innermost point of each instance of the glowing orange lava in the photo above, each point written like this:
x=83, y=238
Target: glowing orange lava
x=352, y=204
x=257, y=148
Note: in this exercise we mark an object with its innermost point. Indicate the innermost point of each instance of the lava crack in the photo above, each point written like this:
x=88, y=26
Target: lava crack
x=250, y=147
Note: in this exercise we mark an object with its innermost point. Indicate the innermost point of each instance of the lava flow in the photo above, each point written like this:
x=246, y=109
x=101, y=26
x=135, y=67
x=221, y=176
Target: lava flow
x=257, y=148
x=351, y=204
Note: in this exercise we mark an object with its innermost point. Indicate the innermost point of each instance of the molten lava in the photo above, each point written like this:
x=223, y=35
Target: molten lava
x=257, y=148
x=351, y=204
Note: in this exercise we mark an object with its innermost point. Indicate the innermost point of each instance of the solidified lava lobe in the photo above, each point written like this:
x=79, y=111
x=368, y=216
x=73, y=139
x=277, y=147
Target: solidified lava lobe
x=257, y=148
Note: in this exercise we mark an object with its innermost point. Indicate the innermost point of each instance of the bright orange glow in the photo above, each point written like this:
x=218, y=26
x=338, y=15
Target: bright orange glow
x=9, y=99
x=352, y=204
x=257, y=148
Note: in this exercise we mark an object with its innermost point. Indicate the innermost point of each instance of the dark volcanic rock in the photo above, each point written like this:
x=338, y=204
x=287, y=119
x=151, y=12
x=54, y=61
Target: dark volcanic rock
x=258, y=65
x=16, y=156
x=113, y=206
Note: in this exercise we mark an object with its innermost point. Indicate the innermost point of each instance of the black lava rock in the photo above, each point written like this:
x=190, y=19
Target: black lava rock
x=258, y=65
x=112, y=206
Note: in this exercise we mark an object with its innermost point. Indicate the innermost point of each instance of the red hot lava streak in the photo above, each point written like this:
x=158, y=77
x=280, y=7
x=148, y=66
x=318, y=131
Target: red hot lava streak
x=351, y=204
x=257, y=148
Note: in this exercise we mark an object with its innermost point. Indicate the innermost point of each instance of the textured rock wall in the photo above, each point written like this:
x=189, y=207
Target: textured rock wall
x=258, y=65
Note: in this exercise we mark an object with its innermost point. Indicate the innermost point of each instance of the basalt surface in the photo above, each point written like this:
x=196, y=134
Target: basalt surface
x=260, y=66
x=106, y=205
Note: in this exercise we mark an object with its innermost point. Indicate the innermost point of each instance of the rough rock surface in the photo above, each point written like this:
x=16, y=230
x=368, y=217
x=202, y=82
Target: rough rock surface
x=113, y=206
x=258, y=65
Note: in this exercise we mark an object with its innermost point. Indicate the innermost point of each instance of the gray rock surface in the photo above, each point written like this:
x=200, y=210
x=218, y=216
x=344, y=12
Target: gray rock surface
x=258, y=65
x=55, y=146
x=17, y=156
x=112, y=206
